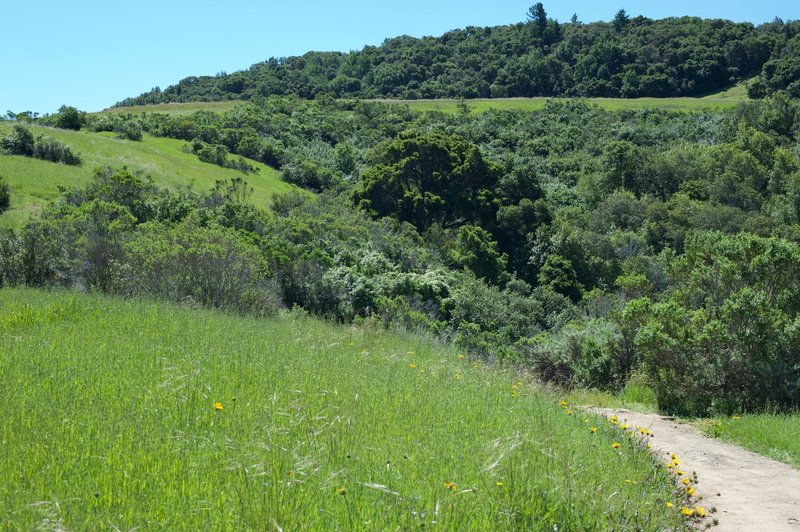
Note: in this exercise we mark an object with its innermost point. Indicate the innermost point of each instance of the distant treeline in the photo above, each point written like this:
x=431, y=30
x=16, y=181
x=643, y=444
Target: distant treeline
x=628, y=57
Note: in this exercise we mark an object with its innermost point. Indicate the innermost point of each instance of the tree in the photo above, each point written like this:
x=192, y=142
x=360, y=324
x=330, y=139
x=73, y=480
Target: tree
x=538, y=17
x=621, y=20
x=69, y=117
x=430, y=179
x=20, y=142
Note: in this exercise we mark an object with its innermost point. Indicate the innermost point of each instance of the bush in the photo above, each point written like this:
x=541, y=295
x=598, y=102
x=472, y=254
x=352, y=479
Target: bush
x=727, y=338
x=5, y=195
x=212, y=266
x=19, y=143
x=55, y=151
x=129, y=130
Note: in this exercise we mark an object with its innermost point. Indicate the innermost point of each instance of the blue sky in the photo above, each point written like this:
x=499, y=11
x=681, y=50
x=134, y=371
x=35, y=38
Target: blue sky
x=90, y=53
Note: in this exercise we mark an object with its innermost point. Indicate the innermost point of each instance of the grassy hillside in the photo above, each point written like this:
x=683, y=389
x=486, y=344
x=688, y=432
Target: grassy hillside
x=717, y=101
x=35, y=182
x=134, y=414
x=178, y=108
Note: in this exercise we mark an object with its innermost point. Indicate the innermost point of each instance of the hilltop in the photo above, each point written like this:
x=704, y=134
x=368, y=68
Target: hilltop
x=628, y=57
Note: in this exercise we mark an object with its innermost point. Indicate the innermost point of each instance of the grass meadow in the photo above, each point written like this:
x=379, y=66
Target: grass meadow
x=35, y=182
x=126, y=414
x=773, y=435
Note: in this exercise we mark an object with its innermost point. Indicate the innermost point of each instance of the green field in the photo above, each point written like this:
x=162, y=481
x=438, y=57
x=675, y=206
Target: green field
x=715, y=102
x=178, y=108
x=123, y=414
x=34, y=183
x=773, y=435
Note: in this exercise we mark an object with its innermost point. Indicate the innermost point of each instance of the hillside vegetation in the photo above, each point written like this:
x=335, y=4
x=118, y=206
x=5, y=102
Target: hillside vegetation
x=589, y=246
x=159, y=416
x=628, y=57
x=36, y=182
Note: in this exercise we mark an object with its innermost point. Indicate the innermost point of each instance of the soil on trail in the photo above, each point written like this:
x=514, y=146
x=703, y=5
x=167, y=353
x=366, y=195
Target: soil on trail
x=749, y=491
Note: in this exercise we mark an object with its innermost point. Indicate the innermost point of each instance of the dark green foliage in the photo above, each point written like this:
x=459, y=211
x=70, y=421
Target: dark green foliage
x=55, y=151
x=21, y=142
x=477, y=251
x=5, y=195
x=726, y=337
x=69, y=117
x=428, y=179
x=627, y=57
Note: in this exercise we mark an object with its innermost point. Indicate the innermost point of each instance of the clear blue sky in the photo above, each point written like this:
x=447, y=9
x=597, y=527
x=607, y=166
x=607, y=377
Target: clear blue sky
x=91, y=53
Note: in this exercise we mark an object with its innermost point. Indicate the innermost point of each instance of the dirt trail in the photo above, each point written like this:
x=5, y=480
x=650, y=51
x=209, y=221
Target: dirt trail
x=750, y=492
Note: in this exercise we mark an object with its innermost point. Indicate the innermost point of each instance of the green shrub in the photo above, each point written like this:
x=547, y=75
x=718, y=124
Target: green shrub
x=212, y=266
x=5, y=195
x=727, y=337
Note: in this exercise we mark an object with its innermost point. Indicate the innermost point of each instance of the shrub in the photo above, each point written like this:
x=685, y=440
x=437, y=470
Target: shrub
x=19, y=143
x=727, y=338
x=55, y=151
x=212, y=266
x=5, y=195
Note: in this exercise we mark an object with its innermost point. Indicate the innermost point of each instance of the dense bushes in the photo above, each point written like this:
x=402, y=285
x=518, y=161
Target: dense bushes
x=21, y=142
x=725, y=338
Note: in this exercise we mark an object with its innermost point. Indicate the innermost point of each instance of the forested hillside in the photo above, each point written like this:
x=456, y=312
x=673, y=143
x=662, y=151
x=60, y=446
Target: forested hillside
x=631, y=56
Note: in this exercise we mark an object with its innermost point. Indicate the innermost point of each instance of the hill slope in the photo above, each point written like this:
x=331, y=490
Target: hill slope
x=178, y=418
x=35, y=182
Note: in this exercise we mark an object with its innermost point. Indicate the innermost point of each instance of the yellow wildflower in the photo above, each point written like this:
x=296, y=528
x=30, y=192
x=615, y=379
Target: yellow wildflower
x=690, y=491
x=217, y=406
x=686, y=481
x=460, y=357
x=341, y=491
x=562, y=404
x=412, y=366
x=669, y=504
x=569, y=412
x=613, y=420
x=699, y=511
x=688, y=512
x=594, y=429
x=450, y=485
x=499, y=484
x=624, y=426
x=615, y=445
x=458, y=376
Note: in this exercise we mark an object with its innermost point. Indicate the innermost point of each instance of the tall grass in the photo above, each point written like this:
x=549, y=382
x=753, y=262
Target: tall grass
x=773, y=435
x=109, y=420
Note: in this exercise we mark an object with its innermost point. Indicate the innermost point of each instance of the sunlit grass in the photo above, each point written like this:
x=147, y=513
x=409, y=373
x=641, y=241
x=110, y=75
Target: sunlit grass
x=34, y=183
x=773, y=435
x=120, y=414
x=178, y=108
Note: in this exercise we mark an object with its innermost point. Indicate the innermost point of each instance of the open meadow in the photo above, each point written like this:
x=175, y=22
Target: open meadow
x=35, y=182
x=126, y=414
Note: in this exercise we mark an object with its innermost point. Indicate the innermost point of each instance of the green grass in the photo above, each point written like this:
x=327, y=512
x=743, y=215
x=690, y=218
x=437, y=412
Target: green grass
x=178, y=108
x=609, y=104
x=109, y=422
x=773, y=435
x=714, y=102
x=34, y=183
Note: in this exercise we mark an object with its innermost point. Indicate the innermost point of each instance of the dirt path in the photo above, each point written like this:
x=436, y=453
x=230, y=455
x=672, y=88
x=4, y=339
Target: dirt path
x=750, y=492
